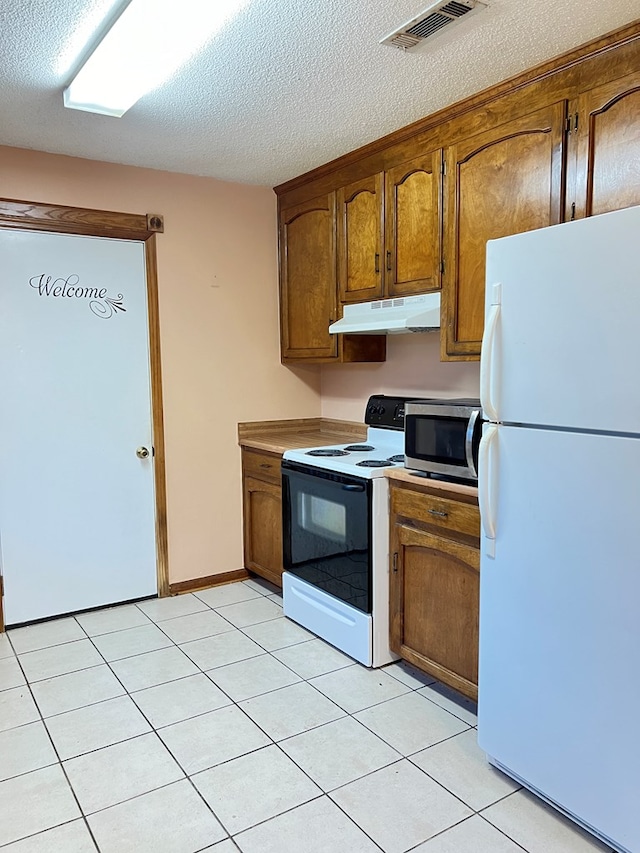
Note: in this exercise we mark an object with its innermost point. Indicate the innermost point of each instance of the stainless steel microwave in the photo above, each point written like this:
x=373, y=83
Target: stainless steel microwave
x=442, y=437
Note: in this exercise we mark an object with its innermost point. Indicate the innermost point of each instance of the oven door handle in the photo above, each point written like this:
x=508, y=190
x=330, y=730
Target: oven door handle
x=352, y=487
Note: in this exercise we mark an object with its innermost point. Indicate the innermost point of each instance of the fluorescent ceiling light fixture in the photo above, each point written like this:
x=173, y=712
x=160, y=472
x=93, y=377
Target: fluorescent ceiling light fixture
x=145, y=46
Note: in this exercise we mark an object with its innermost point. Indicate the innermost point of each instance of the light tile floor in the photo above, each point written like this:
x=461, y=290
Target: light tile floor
x=211, y=722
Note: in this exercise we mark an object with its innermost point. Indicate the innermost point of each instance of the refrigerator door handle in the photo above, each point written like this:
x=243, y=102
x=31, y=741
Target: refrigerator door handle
x=487, y=492
x=487, y=365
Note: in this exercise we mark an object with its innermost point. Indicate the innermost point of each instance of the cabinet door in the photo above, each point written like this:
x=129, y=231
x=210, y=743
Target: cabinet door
x=413, y=226
x=263, y=529
x=608, y=147
x=504, y=181
x=434, y=600
x=360, y=264
x=308, y=292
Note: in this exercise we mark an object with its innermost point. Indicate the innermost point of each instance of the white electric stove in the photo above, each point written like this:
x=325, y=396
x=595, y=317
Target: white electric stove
x=382, y=448
x=336, y=535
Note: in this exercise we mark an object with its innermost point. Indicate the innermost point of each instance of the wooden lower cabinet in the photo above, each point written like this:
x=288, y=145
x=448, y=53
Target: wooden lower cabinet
x=262, y=511
x=434, y=586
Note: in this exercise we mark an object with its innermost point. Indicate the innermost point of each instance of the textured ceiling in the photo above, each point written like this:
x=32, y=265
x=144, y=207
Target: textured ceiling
x=285, y=87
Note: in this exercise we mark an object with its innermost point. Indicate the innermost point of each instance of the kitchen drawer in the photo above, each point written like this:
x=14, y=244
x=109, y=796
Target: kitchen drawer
x=456, y=516
x=262, y=466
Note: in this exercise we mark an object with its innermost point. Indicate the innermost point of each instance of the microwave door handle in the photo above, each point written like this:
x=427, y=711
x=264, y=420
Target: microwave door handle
x=352, y=487
x=468, y=441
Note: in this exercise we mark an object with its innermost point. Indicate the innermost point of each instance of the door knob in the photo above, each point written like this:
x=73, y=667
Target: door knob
x=142, y=453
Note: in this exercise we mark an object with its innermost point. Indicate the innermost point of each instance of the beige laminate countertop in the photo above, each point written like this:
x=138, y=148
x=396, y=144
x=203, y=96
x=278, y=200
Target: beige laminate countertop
x=278, y=436
x=415, y=479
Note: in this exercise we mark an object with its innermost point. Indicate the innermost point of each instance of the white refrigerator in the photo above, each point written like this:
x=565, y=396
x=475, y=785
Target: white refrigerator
x=559, y=486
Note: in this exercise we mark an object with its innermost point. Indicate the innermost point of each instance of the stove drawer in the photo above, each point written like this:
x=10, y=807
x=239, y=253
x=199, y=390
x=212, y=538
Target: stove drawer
x=261, y=465
x=455, y=516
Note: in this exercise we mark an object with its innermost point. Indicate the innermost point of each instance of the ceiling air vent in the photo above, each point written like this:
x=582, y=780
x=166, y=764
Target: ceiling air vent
x=429, y=22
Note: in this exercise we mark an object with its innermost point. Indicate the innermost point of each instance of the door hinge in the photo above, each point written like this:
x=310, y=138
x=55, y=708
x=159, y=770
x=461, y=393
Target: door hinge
x=442, y=267
x=444, y=167
x=395, y=562
x=567, y=124
x=573, y=212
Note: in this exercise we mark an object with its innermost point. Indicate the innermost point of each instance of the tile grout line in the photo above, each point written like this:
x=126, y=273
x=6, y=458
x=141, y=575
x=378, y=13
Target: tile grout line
x=347, y=714
x=42, y=832
x=276, y=743
x=235, y=703
x=178, y=764
x=303, y=680
x=128, y=694
x=60, y=763
x=497, y=828
x=188, y=776
x=174, y=757
x=401, y=756
x=458, y=823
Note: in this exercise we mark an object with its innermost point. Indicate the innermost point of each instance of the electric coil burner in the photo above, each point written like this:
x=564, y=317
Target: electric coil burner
x=336, y=535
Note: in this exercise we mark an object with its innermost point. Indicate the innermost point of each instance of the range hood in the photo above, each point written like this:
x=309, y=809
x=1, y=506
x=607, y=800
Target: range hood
x=391, y=316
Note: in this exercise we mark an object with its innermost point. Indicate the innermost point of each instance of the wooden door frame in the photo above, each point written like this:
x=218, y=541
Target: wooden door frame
x=36, y=216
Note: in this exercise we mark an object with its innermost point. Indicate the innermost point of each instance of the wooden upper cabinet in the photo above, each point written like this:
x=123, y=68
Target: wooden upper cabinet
x=308, y=292
x=413, y=193
x=389, y=231
x=504, y=181
x=607, y=147
x=360, y=247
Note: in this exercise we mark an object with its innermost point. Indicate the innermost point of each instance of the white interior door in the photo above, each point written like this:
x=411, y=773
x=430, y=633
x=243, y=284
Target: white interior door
x=559, y=626
x=77, y=505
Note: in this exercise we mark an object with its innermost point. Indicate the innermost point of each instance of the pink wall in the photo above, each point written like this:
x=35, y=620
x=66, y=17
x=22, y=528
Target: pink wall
x=413, y=366
x=217, y=268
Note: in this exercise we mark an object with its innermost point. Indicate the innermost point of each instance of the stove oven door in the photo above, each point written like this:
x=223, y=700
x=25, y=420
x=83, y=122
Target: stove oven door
x=327, y=532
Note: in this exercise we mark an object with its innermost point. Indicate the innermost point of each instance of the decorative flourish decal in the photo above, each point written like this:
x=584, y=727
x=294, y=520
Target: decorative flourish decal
x=100, y=304
x=107, y=308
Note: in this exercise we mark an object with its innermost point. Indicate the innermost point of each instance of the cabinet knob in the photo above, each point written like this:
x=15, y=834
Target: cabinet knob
x=265, y=465
x=388, y=261
x=377, y=262
x=440, y=513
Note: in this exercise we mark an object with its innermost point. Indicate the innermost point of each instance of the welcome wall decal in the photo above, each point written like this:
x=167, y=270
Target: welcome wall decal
x=100, y=304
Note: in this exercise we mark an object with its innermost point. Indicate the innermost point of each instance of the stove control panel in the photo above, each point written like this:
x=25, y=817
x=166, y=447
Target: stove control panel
x=384, y=411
